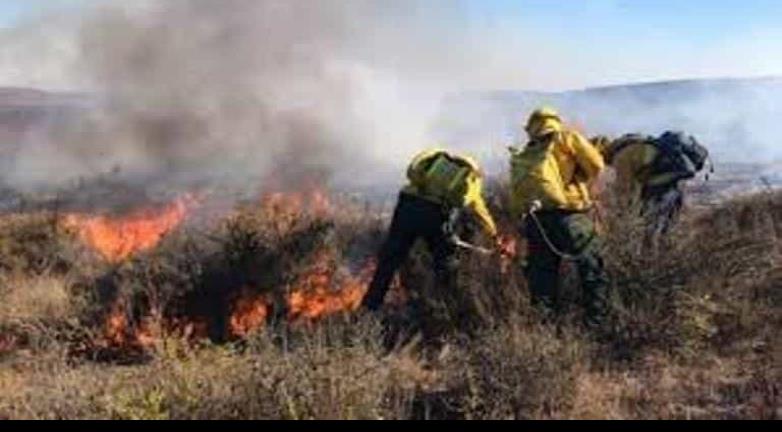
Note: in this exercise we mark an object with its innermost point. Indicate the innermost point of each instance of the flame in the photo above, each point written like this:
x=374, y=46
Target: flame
x=117, y=331
x=118, y=238
x=325, y=288
x=318, y=293
x=249, y=314
x=119, y=334
x=116, y=327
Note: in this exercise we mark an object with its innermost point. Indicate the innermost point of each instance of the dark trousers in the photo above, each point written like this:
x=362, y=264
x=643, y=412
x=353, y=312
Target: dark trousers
x=573, y=234
x=661, y=208
x=414, y=218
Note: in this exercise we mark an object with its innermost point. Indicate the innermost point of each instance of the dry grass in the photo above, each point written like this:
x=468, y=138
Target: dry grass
x=695, y=332
x=37, y=298
x=336, y=372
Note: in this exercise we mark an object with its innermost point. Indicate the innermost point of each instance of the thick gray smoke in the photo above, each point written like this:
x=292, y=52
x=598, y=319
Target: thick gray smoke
x=246, y=94
x=249, y=95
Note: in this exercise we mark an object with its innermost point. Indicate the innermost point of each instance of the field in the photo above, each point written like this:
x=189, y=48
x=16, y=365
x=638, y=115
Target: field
x=149, y=315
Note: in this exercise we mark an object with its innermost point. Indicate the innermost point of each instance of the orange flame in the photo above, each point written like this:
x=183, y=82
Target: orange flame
x=317, y=293
x=325, y=288
x=116, y=327
x=249, y=314
x=118, y=238
x=117, y=332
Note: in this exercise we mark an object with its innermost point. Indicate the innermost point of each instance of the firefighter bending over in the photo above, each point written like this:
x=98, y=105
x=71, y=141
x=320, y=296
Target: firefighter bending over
x=650, y=172
x=440, y=186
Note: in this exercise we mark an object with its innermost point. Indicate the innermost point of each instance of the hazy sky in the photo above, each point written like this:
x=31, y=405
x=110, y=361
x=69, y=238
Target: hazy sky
x=12, y=11
x=554, y=45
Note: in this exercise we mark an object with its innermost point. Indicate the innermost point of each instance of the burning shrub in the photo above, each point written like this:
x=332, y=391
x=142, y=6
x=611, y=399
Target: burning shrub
x=276, y=261
x=118, y=238
x=710, y=285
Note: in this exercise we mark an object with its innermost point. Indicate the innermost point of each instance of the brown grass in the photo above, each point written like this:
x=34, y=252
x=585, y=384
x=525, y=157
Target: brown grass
x=695, y=332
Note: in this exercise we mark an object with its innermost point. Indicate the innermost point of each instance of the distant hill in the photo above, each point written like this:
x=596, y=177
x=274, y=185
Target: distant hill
x=740, y=120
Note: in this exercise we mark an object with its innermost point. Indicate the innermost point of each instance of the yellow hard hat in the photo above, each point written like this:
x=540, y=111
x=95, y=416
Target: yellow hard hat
x=543, y=121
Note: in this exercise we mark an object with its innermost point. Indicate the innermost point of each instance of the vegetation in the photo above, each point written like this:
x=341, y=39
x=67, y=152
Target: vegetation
x=695, y=331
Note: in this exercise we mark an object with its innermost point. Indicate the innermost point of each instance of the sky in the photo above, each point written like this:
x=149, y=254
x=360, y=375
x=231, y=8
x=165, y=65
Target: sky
x=618, y=41
x=14, y=11
x=560, y=45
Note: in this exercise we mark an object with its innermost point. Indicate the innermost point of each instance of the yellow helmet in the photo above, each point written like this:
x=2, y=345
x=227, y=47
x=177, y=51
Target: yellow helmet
x=543, y=121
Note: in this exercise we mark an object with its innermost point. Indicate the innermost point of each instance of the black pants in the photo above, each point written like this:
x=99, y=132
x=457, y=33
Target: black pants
x=661, y=208
x=414, y=218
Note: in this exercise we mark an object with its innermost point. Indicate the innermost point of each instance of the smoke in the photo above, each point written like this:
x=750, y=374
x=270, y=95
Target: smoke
x=737, y=119
x=247, y=94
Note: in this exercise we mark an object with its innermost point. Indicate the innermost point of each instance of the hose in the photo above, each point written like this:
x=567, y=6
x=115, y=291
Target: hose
x=536, y=205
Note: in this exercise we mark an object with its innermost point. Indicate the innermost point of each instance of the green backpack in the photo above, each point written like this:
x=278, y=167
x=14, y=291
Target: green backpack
x=444, y=177
x=535, y=176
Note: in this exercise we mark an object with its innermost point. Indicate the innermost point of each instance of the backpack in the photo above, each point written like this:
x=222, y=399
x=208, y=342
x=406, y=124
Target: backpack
x=623, y=142
x=442, y=176
x=677, y=153
x=535, y=176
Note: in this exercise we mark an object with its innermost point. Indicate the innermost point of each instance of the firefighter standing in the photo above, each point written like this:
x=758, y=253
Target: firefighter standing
x=441, y=185
x=550, y=181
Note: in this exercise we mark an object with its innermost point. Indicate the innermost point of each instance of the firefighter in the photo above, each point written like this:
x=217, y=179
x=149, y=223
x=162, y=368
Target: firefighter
x=650, y=172
x=550, y=181
x=440, y=186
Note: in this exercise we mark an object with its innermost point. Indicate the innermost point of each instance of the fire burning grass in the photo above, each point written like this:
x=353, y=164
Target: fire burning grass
x=314, y=295
x=119, y=238
x=324, y=287
x=708, y=354
x=318, y=293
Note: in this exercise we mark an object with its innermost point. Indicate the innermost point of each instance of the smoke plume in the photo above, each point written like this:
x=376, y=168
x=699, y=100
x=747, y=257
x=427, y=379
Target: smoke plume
x=245, y=94
x=251, y=95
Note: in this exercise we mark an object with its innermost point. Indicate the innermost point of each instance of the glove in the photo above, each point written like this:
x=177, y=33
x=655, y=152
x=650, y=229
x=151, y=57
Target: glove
x=505, y=245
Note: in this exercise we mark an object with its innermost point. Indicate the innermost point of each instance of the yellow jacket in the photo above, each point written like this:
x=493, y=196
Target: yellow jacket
x=631, y=165
x=578, y=163
x=471, y=197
